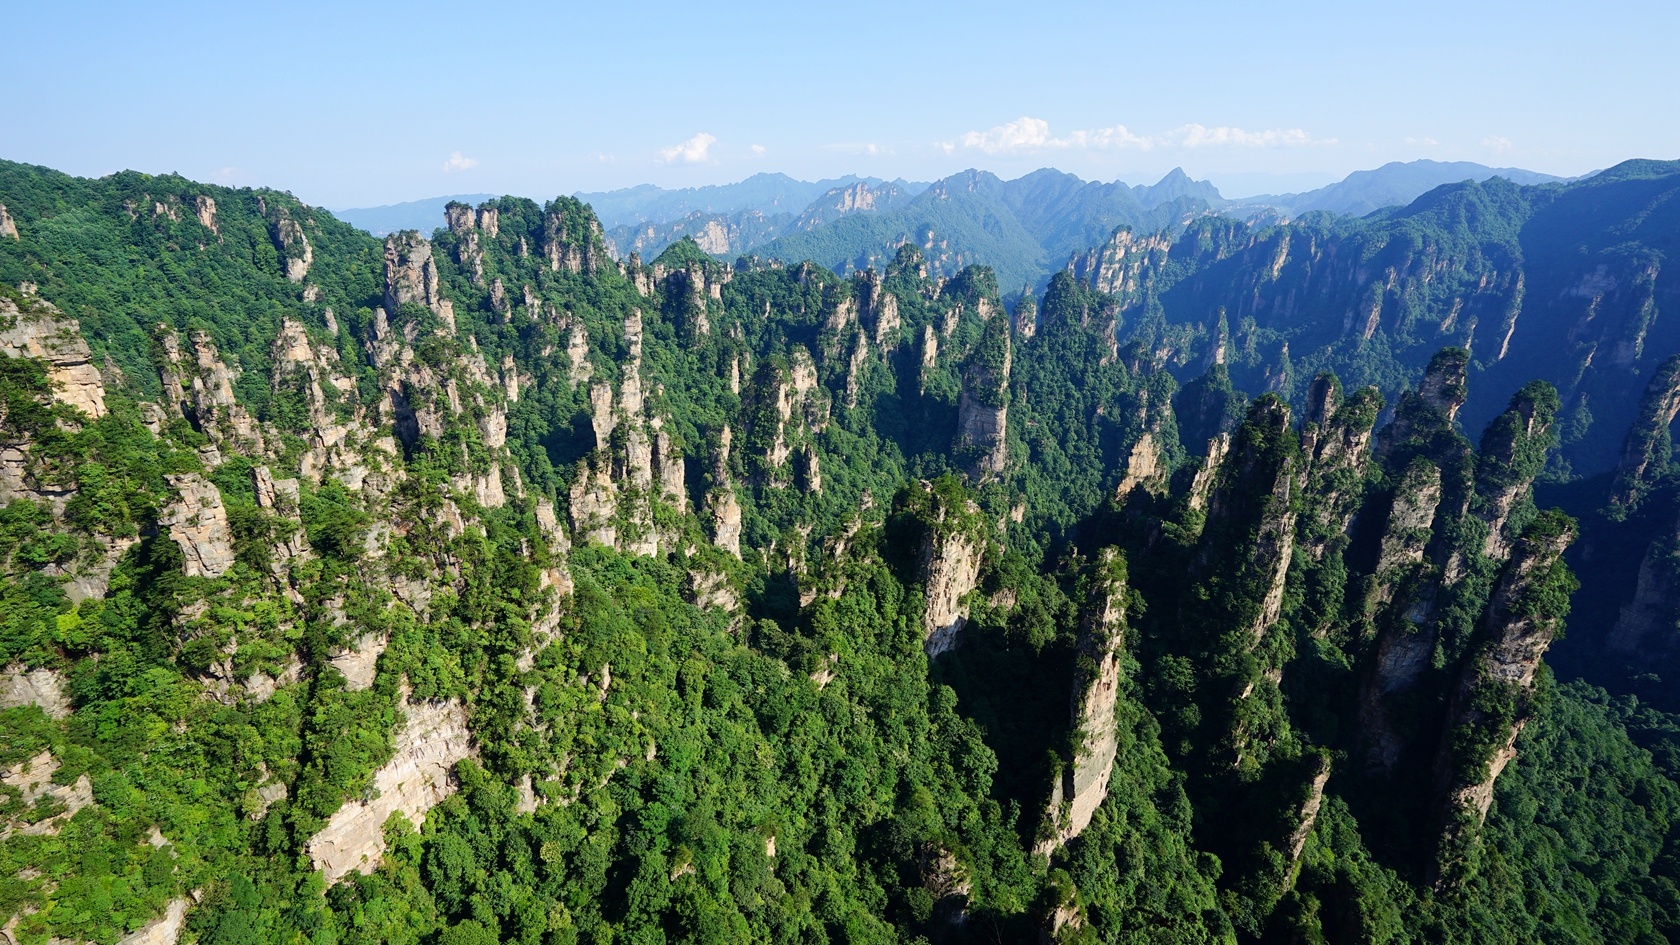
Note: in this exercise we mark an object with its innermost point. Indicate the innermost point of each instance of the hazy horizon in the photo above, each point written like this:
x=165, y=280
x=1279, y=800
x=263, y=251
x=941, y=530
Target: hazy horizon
x=374, y=104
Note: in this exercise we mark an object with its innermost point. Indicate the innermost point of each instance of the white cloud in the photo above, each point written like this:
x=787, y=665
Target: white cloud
x=758, y=149
x=1021, y=134
x=458, y=163
x=692, y=151
x=1497, y=143
x=1426, y=142
x=1033, y=134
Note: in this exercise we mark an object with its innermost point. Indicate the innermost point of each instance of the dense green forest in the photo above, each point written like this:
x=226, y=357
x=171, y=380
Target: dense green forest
x=476, y=586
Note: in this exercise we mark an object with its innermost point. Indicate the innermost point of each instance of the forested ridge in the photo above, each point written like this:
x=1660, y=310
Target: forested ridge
x=476, y=586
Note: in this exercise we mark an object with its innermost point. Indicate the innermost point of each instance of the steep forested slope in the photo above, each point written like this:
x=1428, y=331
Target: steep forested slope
x=481, y=588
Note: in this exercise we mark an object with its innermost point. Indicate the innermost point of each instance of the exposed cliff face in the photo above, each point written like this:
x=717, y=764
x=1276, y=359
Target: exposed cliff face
x=1335, y=447
x=1434, y=404
x=199, y=387
x=1025, y=317
x=8, y=226
x=947, y=563
x=1513, y=453
x=198, y=522
x=983, y=406
x=295, y=252
x=33, y=779
x=419, y=775
x=40, y=330
x=1123, y=265
x=1143, y=465
x=1647, y=452
x=342, y=442
x=205, y=208
x=1083, y=782
x=1489, y=707
x=1420, y=559
x=637, y=464
x=1403, y=648
x=40, y=687
x=164, y=930
x=411, y=276
x=572, y=239
x=726, y=521
x=788, y=407
x=1253, y=511
x=877, y=310
x=282, y=497
x=1306, y=816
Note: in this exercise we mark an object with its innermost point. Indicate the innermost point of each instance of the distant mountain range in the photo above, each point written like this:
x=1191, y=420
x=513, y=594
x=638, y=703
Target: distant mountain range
x=1024, y=228
x=1392, y=185
x=420, y=215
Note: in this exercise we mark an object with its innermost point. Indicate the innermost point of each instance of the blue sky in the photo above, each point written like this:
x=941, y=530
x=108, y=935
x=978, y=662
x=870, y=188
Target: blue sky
x=354, y=104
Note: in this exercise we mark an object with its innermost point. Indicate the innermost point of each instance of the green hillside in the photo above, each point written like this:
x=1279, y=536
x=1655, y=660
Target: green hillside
x=481, y=588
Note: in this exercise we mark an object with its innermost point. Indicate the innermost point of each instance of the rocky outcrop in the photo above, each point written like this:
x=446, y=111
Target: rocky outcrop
x=1407, y=533
x=556, y=575
x=8, y=227
x=726, y=520
x=163, y=930
x=199, y=387
x=339, y=441
x=1434, y=404
x=789, y=407
x=458, y=217
x=198, y=522
x=1648, y=450
x=359, y=662
x=204, y=208
x=1143, y=465
x=33, y=779
x=1513, y=453
x=637, y=463
x=1025, y=317
x=877, y=310
x=712, y=590
x=411, y=276
x=1202, y=483
x=38, y=329
x=945, y=880
x=1083, y=780
x=40, y=687
x=1490, y=704
x=1306, y=816
x=1121, y=266
x=420, y=773
x=854, y=369
x=1252, y=513
x=983, y=406
x=1335, y=448
x=295, y=252
x=951, y=566
x=948, y=564
x=572, y=241
x=930, y=354
x=577, y=354
x=594, y=504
